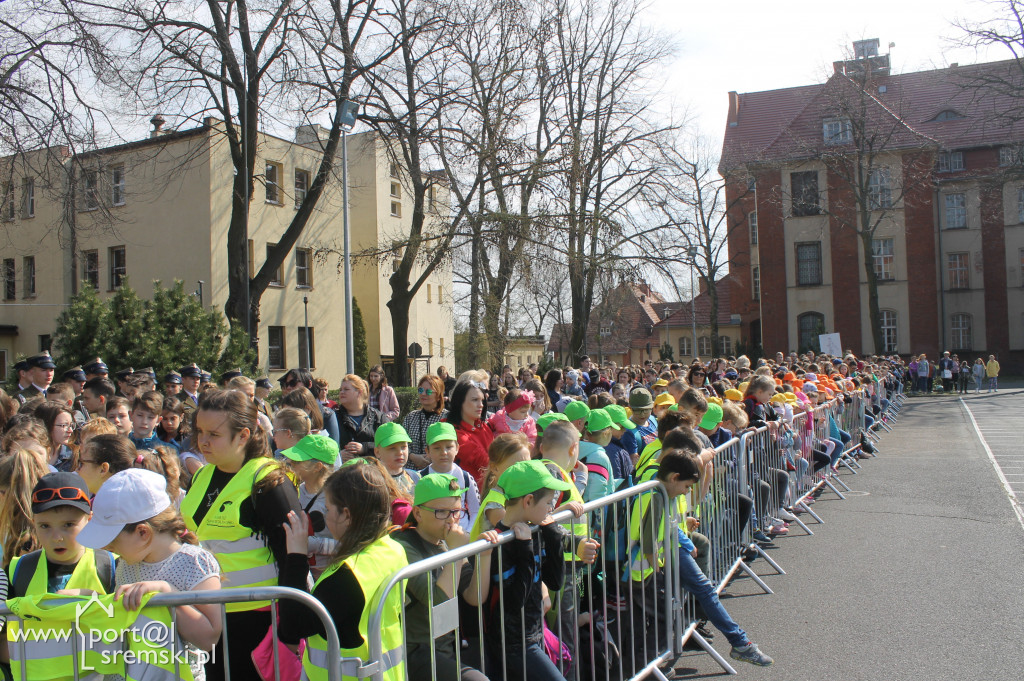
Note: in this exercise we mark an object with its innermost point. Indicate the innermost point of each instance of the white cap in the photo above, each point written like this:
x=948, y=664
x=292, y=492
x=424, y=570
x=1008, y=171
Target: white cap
x=127, y=497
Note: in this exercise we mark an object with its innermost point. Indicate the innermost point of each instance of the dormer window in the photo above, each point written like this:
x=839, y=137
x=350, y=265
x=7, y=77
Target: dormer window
x=837, y=131
x=946, y=115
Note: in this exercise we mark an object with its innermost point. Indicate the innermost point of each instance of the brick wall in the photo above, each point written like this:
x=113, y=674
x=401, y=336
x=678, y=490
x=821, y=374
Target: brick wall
x=774, y=261
x=922, y=286
x=846, y=262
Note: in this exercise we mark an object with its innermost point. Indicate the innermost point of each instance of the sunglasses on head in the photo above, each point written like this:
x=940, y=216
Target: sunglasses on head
x=41, y=496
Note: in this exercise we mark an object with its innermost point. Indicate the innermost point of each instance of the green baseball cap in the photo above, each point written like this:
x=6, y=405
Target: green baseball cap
x=598, y=420
x=526, y=477
x=641, y=398
x=712, y=417
x=436, y=486
x=619, y=416
x=388, y=434
x=544, y=420
x=314, y=448
x=576, y=410
x=442, y=430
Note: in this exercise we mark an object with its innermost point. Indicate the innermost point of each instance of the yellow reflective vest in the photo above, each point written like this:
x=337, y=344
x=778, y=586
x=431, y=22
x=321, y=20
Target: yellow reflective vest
x=245, y=560
x=95, y=636
x=577, y=527
x=494, y=495
x=372, y=568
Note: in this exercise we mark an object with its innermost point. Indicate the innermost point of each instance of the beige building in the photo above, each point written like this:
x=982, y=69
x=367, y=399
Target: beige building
x=158, y=209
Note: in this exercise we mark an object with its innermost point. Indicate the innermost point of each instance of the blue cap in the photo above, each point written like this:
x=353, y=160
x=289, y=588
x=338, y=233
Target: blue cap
x=40, y=361
x=265, y=384
x=148, y=371
x=204, y=377
x=74, y=374
x=229, y=374
x=97, y=366
x=123, y=374
x=173, y=377
x=191, y=371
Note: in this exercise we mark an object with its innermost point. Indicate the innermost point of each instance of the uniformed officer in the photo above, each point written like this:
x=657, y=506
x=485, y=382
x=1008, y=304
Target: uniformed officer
x=75, y=377
x=95, y=368
x=147, y=374
x=263, y=388
x=122, y=380
x=190, y=379
x=228, y=375
x=204, y=380
x=40, y=375
x=21, y=368
x=172, y=384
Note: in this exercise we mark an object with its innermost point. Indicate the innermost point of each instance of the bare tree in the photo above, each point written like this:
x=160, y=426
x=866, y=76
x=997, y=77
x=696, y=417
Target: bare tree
x=1004, y=31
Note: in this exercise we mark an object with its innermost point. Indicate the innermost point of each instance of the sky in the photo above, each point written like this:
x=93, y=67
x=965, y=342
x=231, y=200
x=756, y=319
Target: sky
x=748, y=45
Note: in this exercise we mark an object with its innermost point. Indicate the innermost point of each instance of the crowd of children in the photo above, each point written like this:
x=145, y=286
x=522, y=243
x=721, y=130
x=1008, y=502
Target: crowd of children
x=122, y=489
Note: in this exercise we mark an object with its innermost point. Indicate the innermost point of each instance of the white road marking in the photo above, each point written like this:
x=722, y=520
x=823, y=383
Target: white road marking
x=1014, y=501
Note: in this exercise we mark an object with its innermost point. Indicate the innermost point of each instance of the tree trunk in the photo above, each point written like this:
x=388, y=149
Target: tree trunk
x=716, y=349
x=872, y=279
x=399, y=306
x=473, y=333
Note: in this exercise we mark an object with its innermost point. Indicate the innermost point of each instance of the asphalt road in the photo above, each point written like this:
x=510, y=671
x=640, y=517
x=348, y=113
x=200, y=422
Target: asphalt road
x=916, y=576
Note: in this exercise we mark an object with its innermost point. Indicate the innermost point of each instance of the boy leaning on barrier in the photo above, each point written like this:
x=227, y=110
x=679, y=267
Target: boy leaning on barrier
x=679, y=469
x=433, y=527
x=513, y=589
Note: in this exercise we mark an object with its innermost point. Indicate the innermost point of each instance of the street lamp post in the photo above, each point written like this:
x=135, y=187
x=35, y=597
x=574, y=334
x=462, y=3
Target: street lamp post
x=349, y=112
x=691, y=251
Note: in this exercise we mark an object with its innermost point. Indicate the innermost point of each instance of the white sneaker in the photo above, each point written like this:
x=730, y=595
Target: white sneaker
x=786, y=515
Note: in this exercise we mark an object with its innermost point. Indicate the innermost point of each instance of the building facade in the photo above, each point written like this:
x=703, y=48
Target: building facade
x=159, y=208
x=943, y=194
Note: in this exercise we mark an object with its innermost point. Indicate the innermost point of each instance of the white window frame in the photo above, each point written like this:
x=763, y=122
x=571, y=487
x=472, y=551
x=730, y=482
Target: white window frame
x=955, y=210
x=301, y=186
x=1009, y=155
x=28, y=198
x=272, y=182
x=396, y=209
x=704, y=346
x=278, y=279
x=958, y=268
x=117, y=185
x=837, y=130
x=890, y=330
x=880, y=188
x=752, y=222
x=113, y=271
x=755, y=282
x=281, y=348
x=303, y=268
x=883, y=254
x=725, y=345
x=685, y=346
x=961, y=331
x=950, y=161
x=90, y=190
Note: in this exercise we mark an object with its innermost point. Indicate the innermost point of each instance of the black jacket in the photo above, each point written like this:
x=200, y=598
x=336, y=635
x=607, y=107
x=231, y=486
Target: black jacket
x=349, y=432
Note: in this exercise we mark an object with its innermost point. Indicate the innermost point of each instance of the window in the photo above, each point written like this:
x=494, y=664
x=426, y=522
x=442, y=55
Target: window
x=808, y=264
x=10, y=283
x=947, y=115
x=396, y=190
x=704, y=346
x=725, y=345
x=805, y=193
x=751, y=186
x=755, y=282
x=275, y=347
x=9, y=201
x=304, y=268
x=90, y=193
x=1008, y=156
x=118, y=267
x=606, y=330
x=959, y=276
x=430, y=348
x=396, y=209
x=432, y=196
x=117, y=186
x=28, y=197
x=882, y=252
x=301, y=186
x=889, y=338
x=251, y=247
x=442, y=349
x=810, y=325
x=837, y=131
x=752, y=221
x=29, y=271
x=879, y=188
x=91, y=269
x=950, y=161
x=956, y=211
x=45, y=342
x=394, y=170
x=961, y=331
x=440, y=294
x=428, y=293
x=307, y=353
x=685, y=347
x=278, y=279
x=272, y=180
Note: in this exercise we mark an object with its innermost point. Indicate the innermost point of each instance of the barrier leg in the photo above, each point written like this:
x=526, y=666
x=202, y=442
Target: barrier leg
x=768, y=559
x=828, y=483
x=708, y=648
x=807, y=509
x=802, y=525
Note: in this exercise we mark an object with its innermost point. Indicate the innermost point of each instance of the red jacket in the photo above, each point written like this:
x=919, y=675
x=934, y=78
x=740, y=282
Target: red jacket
x=473, y=445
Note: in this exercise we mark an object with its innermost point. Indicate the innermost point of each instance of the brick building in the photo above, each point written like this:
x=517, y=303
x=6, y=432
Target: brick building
x=946, y=188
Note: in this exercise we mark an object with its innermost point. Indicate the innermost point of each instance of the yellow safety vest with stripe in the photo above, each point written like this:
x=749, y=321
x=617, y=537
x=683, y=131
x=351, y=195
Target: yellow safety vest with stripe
x=648, y=456
x=95, y=636
x=494, y=495
x=372, y=568
x=245, y=560
x=575, y=526
x=640, y=566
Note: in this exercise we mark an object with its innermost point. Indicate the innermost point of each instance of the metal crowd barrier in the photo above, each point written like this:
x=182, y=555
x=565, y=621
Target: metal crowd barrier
x=222, y=597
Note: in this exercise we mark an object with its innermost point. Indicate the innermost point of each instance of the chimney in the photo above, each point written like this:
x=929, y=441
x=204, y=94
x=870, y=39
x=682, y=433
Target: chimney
x=157, y=121
x=310, y=135
x=734, y=109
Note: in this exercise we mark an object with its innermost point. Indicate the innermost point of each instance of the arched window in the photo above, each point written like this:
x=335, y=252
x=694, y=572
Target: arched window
x=809, y=326
x=685, y=347
x=889, y=337
x=704, y=346
x=960, y=330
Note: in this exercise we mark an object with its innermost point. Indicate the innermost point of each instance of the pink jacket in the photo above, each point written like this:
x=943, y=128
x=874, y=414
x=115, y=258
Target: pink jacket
x=499, y=423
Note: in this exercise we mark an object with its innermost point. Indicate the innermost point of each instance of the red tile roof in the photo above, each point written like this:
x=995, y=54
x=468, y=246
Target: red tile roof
x=779, y=123
x=702, y=308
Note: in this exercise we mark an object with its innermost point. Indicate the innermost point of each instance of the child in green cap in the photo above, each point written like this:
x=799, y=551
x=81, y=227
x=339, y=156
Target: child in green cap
x=312, y=459
x=391, y=447
x=442, y=447
x=531, y=563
